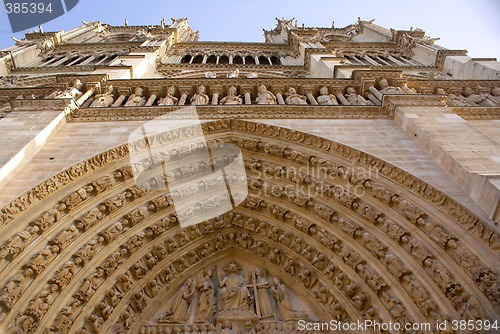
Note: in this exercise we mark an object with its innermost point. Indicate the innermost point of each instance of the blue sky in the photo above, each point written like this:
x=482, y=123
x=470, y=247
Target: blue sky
x=471, y=25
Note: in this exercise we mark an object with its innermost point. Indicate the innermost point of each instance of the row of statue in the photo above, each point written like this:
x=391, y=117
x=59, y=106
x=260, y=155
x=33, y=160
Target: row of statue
x=468, y=98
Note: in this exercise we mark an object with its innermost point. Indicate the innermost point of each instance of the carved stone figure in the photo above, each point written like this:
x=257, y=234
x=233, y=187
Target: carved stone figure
x=325, y=98
x=137, y=99
x=19, y=242
x=200, y=98
x=231, y=97
x=262, y=297
x=477, y=99
x=72, y=92
x=386, y=89
x=180, y=308
x=234, y=293
x=104, y=100
x=280, y=293
x=207, y=297
x=355, y=99
x=264, y=96
x=169, y=99
x=294, y=98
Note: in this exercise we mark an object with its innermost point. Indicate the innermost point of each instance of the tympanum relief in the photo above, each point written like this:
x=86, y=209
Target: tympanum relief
x=230, y=297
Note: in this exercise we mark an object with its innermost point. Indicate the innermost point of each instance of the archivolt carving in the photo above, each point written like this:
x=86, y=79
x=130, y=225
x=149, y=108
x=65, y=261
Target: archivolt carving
x=362, y=264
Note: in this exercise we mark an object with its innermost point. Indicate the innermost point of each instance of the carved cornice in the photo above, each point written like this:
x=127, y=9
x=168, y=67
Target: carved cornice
x=232, y=112
x=477, y=113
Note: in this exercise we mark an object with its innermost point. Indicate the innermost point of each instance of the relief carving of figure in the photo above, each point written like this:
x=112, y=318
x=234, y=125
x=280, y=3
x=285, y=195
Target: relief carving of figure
x=386, y=89
x=207, y=297
x=355, y=99
x=234, y=293
x=19, y=242
x=169, y=99
x=104, y=100
x=264, y=96
x=262, y=296
x=137, y=99
x=280, y=293
x=325, y=98
x=294, y=98
x=181, y=307
x=200, y=98
x=72, y=92
x=231, y=97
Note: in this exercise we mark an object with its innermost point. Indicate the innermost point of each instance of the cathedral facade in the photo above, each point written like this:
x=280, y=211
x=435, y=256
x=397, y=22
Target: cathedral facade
x=326, y=180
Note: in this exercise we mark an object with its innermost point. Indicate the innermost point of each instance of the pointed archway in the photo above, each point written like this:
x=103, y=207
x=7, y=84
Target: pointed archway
x=351, y=236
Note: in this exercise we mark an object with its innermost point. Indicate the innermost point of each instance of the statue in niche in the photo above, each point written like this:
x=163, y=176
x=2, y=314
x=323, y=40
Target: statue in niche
x=384, y=88
x=169, y=99
x=325, y=98
x=234, y=73
x=231, y=97
x=264, y=96
x=234, y=293
x=104, y=100
x=294, y=98
x=182, y=305
x=476, y=99
x=72, y=92
x=207, y=298
x=137, y=99
x=262, y=298
x=494, y=97
x=200, y=98
x=280, y=293
x=355, y=99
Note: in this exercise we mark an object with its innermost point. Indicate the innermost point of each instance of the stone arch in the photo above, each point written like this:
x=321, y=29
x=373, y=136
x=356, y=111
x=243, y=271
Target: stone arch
x=410, y=250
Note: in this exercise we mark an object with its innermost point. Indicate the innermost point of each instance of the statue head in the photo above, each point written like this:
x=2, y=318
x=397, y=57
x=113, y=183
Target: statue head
x=77, y=84
x=291, y=91
x=324, y=90
x=262, y=89
x=171, y=90
x=110, y=89
x=208, y=272
x=232, y=90
x=351, y=90
x=468, y=91
x=201, y=89
x=138, y=91
x=383, y=83
x=226, y=324
x=232, y=268
x=440, y=91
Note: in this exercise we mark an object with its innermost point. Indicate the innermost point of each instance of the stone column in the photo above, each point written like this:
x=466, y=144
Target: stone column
x=280, y=99
x=374, y=99
x=248, y=98
x=84, y=97
x=215, y=99
x=184, y=93
x=343, y=100
x=87, y=103
x=151, y=100
x=375, y=92
x=119, y=101
x=311, y=99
